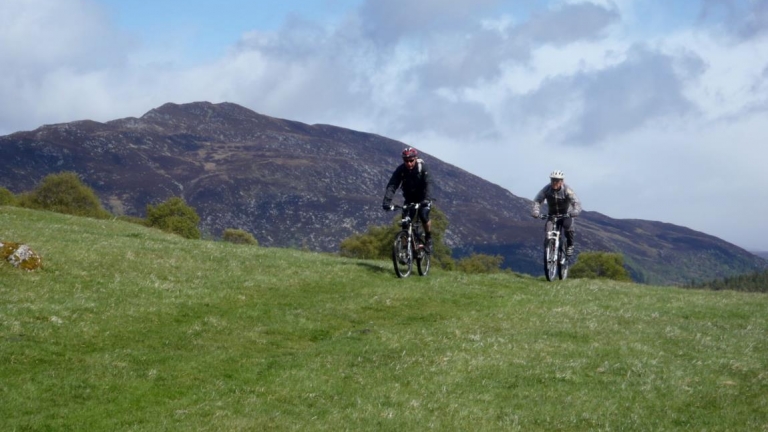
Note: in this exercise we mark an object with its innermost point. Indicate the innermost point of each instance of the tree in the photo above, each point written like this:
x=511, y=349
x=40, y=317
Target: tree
x=7, y=197
x=174, y=216
x=238, y=236
x=600, y=265
x=64, y=193
x=375, y=243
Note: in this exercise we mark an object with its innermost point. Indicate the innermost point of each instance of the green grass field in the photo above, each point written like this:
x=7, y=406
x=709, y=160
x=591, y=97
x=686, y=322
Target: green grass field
x=130, y=329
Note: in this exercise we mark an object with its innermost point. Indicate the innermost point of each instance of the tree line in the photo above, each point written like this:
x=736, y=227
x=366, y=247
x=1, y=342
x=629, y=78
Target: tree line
x=753, y=282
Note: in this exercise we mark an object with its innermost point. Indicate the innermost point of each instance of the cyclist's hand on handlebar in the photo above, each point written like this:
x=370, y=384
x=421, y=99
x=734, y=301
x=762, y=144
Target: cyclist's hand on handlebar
x=426, y=203
x=388, y=207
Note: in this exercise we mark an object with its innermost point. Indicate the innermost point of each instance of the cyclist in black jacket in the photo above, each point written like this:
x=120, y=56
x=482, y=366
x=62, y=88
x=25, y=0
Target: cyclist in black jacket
x=413, y=177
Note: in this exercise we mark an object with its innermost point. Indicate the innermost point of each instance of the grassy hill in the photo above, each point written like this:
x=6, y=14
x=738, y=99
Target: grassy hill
x=128, y=328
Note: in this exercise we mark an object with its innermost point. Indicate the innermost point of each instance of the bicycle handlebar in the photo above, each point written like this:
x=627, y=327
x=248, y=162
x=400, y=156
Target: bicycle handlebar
x=400, y=207
x=407, y=206
x=560, y=216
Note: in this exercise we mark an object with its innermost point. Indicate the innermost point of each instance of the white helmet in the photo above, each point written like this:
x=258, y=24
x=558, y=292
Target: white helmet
x=557, y=175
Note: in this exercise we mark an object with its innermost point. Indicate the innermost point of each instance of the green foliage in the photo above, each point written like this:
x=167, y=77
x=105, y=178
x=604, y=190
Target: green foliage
x=480, y=263
x=753, y=282
x=7, y=197
x=441, y=253
x=64, y=193
x=174, y=216
x=238, y=236
x=376, y=242
x=600, y=265
x=130, y=328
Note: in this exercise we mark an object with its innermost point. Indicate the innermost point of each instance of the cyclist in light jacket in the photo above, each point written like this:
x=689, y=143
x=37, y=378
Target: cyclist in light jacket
x=561, y=200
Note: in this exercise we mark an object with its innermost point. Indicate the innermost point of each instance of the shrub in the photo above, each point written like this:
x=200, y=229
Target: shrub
x=64, y=193
x=376, y=243
x=174, y=216
x=600, y=265
x=237, y=236
x=480, y=263
x=7, y=197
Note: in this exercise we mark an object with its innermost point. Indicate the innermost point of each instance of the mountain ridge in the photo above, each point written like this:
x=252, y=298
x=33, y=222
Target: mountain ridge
x=300, y=185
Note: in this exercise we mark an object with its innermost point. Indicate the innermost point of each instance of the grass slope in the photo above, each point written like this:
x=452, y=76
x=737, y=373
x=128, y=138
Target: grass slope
x=127, y=328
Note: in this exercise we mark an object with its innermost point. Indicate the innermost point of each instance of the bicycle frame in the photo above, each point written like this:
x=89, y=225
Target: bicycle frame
x=555, y=261
x=414, y=249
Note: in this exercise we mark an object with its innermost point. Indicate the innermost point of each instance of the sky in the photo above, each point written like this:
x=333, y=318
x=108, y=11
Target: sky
x=654, y=109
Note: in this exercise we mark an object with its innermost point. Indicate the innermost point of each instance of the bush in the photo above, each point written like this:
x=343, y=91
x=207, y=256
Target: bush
x=174, y=216
x=237, y=236
x=480, y=263
x=600, y=265
x=64, y=193
x=376, y=243
x=7, y=197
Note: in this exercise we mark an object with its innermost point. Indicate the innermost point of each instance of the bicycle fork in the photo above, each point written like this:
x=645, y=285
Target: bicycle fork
x=554, y=236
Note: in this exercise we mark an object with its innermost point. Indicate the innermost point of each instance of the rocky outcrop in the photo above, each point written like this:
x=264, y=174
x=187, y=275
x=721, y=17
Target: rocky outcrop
x=20, y=256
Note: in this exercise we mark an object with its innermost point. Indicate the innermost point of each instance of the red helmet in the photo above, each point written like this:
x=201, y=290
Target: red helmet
x=410, y=152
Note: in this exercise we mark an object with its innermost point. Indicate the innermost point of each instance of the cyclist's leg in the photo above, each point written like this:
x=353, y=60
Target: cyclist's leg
x=570, y=234
x=427, y=224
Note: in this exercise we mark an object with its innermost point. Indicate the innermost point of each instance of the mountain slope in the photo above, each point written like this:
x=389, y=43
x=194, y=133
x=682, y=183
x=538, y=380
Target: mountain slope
x=293, y=184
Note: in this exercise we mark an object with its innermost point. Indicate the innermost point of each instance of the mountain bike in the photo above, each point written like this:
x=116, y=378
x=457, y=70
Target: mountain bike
x=409, y=243
x=556, y=262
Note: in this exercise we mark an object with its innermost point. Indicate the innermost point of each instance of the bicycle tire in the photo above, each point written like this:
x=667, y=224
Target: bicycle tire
x=563, y=261
x=550, y=260
x=422, y=263
x=402, y=257
x=562, y=265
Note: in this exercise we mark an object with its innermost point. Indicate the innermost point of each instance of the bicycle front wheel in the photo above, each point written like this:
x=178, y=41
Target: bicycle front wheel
x=550, y=260
x=401, y=255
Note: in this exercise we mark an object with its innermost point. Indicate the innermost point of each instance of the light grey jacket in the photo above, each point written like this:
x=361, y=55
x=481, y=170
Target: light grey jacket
x=559, y=202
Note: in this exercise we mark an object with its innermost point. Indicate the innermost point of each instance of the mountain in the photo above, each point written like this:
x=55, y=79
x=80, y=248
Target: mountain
x=298, y=185
x=761, y=254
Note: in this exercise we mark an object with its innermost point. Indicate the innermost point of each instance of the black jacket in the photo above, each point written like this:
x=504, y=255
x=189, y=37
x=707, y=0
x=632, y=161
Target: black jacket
x=416, y=184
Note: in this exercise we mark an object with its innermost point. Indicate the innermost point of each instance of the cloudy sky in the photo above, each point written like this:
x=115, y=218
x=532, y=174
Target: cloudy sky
x=655, y=109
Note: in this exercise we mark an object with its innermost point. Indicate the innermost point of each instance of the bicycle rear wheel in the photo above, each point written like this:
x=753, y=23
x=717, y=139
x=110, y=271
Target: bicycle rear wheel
x=401, y=255
x=563, y=263
x=550, y=260
x=422, y=262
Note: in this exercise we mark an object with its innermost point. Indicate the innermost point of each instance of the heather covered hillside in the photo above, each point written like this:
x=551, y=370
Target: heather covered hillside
x=292, y=184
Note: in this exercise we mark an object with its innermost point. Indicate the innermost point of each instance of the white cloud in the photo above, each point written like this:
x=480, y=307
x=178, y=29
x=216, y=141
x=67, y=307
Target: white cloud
x=649, y=116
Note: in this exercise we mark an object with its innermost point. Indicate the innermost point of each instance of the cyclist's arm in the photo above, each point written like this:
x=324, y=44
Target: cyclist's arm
x=427, y=183
x=575, y=208
x=392, y=186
